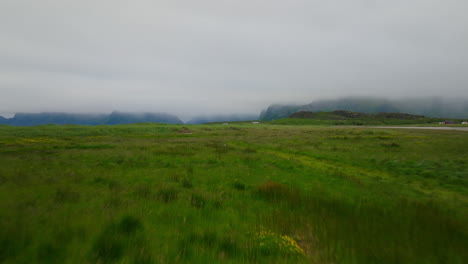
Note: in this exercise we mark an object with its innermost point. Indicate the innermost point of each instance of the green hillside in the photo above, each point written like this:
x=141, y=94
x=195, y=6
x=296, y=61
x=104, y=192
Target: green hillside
x=431, y=107
x=341, y=117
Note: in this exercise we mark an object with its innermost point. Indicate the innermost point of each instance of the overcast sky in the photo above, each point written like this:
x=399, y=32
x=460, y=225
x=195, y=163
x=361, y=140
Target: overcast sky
x=238, y=56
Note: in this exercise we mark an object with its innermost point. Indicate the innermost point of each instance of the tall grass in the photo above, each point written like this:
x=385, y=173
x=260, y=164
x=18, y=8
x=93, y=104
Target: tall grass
x=235, y=194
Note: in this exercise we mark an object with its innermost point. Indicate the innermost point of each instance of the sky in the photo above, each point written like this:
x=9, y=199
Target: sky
x=226, y=56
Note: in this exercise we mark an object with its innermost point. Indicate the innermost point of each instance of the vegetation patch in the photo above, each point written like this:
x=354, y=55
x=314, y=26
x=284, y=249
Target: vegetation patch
x=97, y=146
x=187, y=182
x=238, y=185
x=391, y=145
x=167, y=194
x=119, y=239
x=277, y=192
x=63, y=195
x=184, y=130
x=270, y=243
x=259, y=193
x=197, y=200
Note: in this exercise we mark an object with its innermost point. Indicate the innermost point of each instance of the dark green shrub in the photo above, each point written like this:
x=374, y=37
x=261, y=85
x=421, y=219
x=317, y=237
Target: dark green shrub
x=107, y=249
x=239, y=185
x=187, y=183
x=49, y=253
x=228, y=247
x=129, y=224
x=118, y=239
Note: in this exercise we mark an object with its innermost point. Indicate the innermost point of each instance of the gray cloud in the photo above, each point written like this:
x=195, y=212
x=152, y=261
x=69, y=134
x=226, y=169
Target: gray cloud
x=195, y=57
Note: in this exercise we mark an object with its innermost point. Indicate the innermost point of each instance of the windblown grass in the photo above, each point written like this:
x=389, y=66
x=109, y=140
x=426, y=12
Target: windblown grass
x=237, y=194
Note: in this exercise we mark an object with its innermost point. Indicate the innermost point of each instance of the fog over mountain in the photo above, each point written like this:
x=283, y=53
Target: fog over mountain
x=217, y=57
x=32, y=119
x=430, y=107
x=221, y=118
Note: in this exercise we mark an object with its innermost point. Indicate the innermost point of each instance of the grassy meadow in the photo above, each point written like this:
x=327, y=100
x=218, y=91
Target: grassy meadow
x=242, y=193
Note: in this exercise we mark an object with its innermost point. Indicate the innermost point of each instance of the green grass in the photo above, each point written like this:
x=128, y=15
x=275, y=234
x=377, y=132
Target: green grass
x=240, y=193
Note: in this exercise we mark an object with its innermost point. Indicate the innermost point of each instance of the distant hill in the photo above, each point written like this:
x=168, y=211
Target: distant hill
x=128, y=118
x=221, y=118
x=4, y=121
x=342, y=117
x=430, y=107
x=32, y=119
x=278, y=111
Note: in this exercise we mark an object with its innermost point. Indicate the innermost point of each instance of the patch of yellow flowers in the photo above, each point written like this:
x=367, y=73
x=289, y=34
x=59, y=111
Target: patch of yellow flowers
x=35, y=140
x=27, y=141
x=272, y=243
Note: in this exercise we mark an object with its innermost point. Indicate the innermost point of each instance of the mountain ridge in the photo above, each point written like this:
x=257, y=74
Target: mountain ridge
x=430, y=107
x=114, y=118
x=221, y=118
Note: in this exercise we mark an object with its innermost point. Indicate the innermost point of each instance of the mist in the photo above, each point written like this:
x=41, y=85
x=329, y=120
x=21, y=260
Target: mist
x=224, y=57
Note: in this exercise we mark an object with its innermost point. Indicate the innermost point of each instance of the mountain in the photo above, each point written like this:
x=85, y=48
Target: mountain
x=363, y=105
x=345, y=115
x=32, y=119
x=278, y=111
x=221, y=118
x=432, y=107
x=4, y=121
x=342, y=117
x=129, y=118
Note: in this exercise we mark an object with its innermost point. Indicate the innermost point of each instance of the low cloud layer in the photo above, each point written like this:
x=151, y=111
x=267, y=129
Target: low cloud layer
x=220, y=56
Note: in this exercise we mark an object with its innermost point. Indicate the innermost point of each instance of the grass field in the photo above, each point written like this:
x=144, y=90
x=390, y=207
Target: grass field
x=149, y=193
